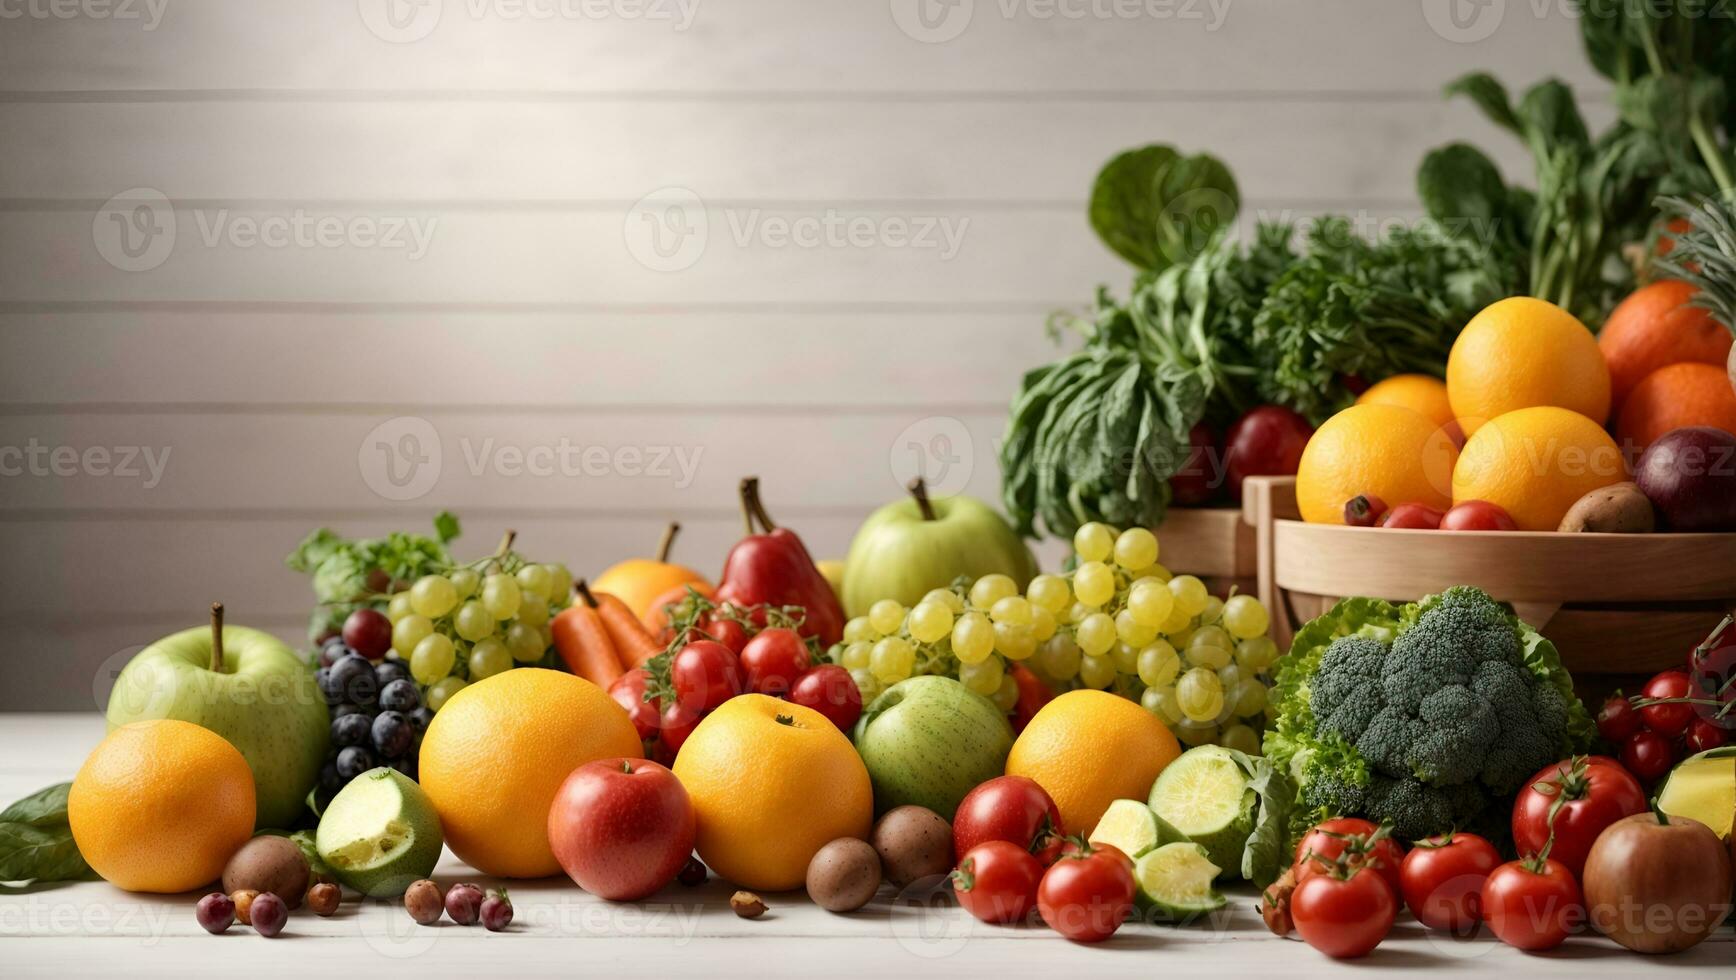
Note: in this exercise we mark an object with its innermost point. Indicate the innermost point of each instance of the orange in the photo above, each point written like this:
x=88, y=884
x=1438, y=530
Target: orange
x=1418, y=392
x=1674, y=396
x=161, y=806
x=1088, y=749
x=497, y=752
x=1657, y=326
x=771, y=783
x=639, y=582
x=1522, y=352
x=1385, y=451
x=1535, y=463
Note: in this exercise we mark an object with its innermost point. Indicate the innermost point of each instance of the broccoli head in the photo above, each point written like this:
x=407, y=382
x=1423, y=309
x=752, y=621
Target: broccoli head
x=1427, y=714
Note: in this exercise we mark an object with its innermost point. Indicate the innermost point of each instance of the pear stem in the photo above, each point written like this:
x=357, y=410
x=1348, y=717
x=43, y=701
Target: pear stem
x=919, y=489
x=668, y=541
x=749, y=489
x=217, y=637
x=584, y=590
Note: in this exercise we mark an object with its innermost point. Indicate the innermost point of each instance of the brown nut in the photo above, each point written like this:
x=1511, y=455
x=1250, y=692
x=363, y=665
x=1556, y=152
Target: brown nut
x=243, y=900
x=844, y=875
x=424, y=901
x=914, y=844
x=747, y=905
x=323, y=898
x=1275, y=903
x=269, y=863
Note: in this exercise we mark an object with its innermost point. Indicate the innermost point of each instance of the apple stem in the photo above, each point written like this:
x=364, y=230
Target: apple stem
x=919, y=489
x=584, y=590
x=217, y=637
x=668, y=541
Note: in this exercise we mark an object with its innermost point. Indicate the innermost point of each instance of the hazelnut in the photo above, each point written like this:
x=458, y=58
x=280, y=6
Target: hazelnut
x=747, y=905
x=243, y=900
x=323, y=899
x=424, y=901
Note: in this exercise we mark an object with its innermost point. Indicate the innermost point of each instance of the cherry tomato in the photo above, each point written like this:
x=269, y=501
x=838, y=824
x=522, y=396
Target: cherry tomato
x=1364, y=510
x=1668, y=720
x=1267, y=441
x=678, y=722
x=1344, y=917
x=1196, y=482
x=1532, y=910
x=1618, y=719
x=725, y=631
x=705, y=674
x=997, y=882
x=773, y=660
x=1086, y=894
x=1703, y=735
x=1579, y=797
x=1419, y=517
x=1442, y=878
x=628, y=690
x=1331, y=838
x=1648, y=756
x=829, y=690
x=1478, y=515
x=1009, y=808
x=1712, y=676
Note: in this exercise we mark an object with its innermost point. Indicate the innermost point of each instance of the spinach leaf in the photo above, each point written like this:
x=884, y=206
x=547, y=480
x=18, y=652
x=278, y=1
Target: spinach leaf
x=43, y=808
x=36, y=841
x=1154, y=207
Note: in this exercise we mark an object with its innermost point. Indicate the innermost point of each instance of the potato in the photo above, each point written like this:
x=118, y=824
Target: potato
x=913, y=843
x=268, y=864
x=844, y=875
x=1616, y=509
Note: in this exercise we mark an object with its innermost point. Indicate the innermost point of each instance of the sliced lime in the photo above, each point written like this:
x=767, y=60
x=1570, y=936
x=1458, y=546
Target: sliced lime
x=380, y=833
x=1175, y=883
x=1205, y=795
x=1131, y=826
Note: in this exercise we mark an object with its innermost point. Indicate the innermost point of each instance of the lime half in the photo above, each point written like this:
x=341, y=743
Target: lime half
x=1131, y=826
x=1205, y=794
x=1175, y=883
x=380, y=833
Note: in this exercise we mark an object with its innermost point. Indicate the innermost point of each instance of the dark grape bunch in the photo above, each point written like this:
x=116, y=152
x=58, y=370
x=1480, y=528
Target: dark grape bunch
x=377, y=716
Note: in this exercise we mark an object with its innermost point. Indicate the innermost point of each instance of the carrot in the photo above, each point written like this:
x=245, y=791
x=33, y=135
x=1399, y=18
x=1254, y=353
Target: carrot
x=633, y=643
x=584, y=644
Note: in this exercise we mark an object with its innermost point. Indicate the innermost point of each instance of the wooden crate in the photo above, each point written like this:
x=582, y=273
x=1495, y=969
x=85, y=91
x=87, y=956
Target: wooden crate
x=1214, y=543
x=1619, y=607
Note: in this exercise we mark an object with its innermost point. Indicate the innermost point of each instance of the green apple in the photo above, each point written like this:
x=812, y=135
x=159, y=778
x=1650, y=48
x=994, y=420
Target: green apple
x=930, y=740
x=911, y=546
x=246, y=686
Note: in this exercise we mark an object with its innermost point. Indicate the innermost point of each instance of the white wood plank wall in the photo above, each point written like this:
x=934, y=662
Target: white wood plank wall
x=442, y=210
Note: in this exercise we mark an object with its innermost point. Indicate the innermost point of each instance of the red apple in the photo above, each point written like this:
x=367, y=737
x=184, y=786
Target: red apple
x=830, y=690
x=1268, y=441
x=621, y=828
x=1196, y=483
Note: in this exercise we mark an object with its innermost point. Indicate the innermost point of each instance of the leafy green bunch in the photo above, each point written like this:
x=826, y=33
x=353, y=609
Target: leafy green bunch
x=349, y=573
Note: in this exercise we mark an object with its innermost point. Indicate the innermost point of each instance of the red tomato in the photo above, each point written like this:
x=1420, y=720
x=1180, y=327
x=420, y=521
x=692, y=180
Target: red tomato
x=1668, y=720
x=1331, y=838
x=1442, y=877
x=1364, y=510
x=1579, y=797
x=1648, y=756
x=678, y=722
x=1703, y=735
x=1478, y=515
x=1196, y=482
x=1532, y=910
x=725, y=631
x=1086, y=894
x=1268, y=441
x=1417, y=517
x=1033, y=694
x=1618, y=719
x=705, y=674
x=628, y=690
x=1344, y=917
x=829, y=690
x=1009, y=808
x=997, y=882
x=773, y=660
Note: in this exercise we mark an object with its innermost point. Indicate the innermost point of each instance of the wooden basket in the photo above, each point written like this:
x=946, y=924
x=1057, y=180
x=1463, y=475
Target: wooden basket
x=1216, y=544
x=1620, y=607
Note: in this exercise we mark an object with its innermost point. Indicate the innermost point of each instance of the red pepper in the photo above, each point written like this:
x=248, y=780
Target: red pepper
x=774, y=568
x=1033, y=694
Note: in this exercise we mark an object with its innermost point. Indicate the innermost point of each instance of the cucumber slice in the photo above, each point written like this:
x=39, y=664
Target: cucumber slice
x=1130, y=826
x=1175, y=883
x=1205, y=795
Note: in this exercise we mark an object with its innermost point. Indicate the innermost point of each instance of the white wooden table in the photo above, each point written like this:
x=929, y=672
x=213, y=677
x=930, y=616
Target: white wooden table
x=92, y=927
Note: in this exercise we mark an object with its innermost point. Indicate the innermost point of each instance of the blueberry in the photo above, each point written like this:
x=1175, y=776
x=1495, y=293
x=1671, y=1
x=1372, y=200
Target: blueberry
x=354, y=761
x=406, y=765
x=354, y=676
x=351, y=709
x=389, y=670
x=401, y=696
x=329, y=780
x=327, y=688
x=351, y=730
x=392, y=735
x=421, y=718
